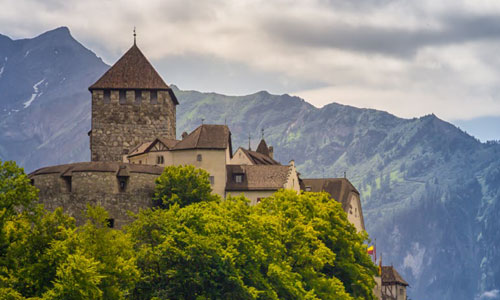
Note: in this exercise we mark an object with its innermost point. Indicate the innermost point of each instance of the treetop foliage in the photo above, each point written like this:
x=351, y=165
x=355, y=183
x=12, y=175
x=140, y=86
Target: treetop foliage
x=182, y=185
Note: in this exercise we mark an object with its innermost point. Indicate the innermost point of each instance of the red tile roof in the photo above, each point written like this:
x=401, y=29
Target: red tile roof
x=132, y=71
x=206, y=137
x=257, y=178
x=258, y=158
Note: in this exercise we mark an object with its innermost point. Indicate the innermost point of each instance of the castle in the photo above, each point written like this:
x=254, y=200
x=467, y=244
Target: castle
x=133, y=137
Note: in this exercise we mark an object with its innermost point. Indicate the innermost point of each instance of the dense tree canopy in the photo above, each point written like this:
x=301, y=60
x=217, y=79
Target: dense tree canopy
x=289, y=246
x=182, y=185
x=47, y=257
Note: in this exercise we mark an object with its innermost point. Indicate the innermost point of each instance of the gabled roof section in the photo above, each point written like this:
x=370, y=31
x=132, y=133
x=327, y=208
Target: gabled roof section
x=390, y=276
x=140, y=149
x=159, y=144
x=258, y=158
x=216, y=137
x=338, y=188
x=257, y=178
x=262, y=148
x=132, y=71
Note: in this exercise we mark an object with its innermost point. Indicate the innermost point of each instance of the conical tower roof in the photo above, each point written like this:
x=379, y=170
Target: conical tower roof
x=262, y=148
x=131, y=71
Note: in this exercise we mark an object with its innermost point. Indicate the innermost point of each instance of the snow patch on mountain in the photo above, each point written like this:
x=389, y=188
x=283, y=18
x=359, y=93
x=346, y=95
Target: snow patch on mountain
x=493, y=294
x=414, y=259
x=34, y=95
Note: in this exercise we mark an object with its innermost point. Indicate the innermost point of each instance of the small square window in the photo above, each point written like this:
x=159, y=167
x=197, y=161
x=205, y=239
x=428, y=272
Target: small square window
x=110, y=223
x=238, y=178
x=199, y=157
x=308, y=188
x=212, y=180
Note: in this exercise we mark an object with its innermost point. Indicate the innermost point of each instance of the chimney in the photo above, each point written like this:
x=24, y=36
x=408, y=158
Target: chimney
x=184, y=135
x=271, y=152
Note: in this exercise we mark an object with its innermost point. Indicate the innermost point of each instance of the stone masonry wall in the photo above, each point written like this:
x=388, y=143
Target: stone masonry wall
x=96, y=188
x=118, y=127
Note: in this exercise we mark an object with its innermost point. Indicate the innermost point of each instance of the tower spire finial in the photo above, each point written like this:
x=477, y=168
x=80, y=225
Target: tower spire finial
x=249, y=140
x=134, y=35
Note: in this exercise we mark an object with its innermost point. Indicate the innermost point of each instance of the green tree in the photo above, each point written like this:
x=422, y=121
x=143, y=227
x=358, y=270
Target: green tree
x=112, y=250
x=182, y=185
x=51, y=258
x=78, y=278
x=288, y=247
x=16, y=193
x=322, y=246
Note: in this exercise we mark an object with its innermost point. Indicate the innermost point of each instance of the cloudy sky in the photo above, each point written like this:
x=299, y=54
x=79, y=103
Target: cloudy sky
x=410, y=58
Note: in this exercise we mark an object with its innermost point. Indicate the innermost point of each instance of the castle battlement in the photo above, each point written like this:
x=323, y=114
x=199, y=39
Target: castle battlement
x=117, y=187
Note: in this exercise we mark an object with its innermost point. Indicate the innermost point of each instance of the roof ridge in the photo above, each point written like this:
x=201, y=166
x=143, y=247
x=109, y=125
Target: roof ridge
x=199, y=135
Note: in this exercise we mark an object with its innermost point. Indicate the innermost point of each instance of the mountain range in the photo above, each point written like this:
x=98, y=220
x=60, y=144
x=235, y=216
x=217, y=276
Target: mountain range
x=430, y=192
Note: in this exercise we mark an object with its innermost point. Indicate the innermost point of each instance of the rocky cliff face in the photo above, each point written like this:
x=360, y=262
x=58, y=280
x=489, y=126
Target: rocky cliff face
x=430, y=192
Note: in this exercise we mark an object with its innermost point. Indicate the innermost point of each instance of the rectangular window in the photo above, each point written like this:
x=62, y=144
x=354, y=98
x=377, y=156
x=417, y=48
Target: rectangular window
x=122, y=183
x=138, y=96
x=123, y=96
x=308, y=188
x=238, y=178
x=67, y=180
x=199, y=157
x=159, y=160
x=154, y=97
x=212, y=180
x=107, y=96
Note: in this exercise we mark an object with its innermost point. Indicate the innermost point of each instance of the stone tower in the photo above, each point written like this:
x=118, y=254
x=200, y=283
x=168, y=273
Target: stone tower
x=131, y=104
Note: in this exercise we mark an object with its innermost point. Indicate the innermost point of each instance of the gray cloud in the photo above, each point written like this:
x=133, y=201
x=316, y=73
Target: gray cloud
x=407, y=57
x=388, y=41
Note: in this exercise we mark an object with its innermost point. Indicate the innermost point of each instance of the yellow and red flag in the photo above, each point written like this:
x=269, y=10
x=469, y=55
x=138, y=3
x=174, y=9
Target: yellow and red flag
x=370, y=250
